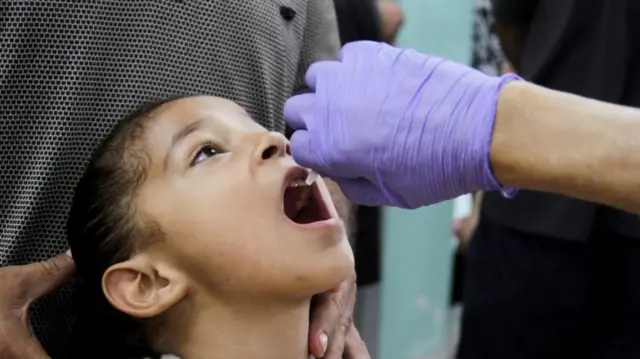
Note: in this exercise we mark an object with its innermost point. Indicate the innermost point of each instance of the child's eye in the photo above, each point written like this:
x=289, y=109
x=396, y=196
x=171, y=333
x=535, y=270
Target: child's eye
x=204, y=153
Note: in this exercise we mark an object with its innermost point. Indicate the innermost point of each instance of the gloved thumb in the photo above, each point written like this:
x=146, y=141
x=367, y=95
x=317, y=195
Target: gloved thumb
x=43, y=277
x=360, y=191
x=302, y=152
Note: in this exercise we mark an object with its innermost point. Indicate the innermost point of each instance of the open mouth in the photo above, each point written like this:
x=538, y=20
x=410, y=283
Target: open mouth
x=303, y=204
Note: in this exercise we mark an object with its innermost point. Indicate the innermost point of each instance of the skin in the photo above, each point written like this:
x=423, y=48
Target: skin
x=232, y=276
x=463, y=228
x=391, y=20
x=22, y=285
x=556, y=142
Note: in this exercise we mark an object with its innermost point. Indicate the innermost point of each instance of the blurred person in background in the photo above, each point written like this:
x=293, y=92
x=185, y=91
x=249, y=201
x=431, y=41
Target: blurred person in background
x=550, y=276
x=70, y=70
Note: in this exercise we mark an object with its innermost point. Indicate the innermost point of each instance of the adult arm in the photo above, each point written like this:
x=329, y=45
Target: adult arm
x=557, y=142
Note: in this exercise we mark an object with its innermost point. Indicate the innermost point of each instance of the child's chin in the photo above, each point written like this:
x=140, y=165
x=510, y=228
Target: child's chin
x=339, y=271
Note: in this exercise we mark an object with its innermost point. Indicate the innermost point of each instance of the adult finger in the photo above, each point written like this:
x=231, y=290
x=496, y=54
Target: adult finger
x=355, y=347
x=325, y=314
x=336, y=343
x=297, y=109
x=31, y=349
x=330, y=318
x=17, y=343
x=43, y=277
x=300, y=143
x=361, y=191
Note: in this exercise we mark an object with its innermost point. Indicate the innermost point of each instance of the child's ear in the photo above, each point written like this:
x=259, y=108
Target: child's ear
x=142, y=287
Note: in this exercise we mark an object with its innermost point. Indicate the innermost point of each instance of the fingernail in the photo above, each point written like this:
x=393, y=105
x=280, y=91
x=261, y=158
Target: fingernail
x=69, y=253
x=324, y=341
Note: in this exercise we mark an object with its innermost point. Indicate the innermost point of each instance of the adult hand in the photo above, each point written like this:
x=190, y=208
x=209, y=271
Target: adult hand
x=355, y=348
x=19, y=287
x=331, y=333
x=391, y=20
x=396, y=127
x=463, y=229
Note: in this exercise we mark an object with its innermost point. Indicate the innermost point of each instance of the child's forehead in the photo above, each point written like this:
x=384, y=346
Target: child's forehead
x=182, y=117
x=222, y=113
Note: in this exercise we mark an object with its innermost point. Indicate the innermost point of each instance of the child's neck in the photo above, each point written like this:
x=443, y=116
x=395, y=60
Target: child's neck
x=247, y=331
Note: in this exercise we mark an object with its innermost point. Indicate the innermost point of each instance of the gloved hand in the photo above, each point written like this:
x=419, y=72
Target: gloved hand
x=396, y=127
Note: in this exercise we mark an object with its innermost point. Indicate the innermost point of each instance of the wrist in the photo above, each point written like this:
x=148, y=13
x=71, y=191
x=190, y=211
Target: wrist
x=530, y=137
x=492, y=180
x=503, y=150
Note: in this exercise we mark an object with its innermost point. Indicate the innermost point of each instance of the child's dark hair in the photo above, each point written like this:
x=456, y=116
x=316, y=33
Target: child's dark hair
x=103, y=230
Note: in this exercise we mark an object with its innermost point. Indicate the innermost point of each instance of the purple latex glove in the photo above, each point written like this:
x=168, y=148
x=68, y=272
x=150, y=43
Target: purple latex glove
x=396, y=127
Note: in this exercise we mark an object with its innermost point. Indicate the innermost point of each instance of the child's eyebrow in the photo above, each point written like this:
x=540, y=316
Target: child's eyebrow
x=180, y=136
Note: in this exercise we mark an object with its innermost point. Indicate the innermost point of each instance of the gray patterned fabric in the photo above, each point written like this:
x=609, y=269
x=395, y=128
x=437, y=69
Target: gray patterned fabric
x=71, y=69
x=486, y=54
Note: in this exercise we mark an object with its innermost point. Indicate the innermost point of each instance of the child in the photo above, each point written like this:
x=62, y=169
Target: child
x=194, y=234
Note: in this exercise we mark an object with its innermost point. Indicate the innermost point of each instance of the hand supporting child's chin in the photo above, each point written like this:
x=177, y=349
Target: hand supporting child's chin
x=332, y=324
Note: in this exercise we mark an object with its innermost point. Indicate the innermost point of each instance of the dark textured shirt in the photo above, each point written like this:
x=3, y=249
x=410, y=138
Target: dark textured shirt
x=358, y=20
x=70, y=70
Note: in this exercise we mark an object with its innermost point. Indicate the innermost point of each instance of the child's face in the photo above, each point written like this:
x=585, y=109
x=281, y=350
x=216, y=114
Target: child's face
x=216, y=186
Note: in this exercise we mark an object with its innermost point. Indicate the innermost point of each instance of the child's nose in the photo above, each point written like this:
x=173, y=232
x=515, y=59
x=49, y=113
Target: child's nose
x=270, y=145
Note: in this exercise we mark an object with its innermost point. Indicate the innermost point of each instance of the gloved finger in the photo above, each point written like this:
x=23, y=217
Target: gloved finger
x=304, y=154
x=358, y=47
x=301, y=148
x=320, y=69
x=297, y=109
x=355, y=347
x=360, y=191
x=43, y=277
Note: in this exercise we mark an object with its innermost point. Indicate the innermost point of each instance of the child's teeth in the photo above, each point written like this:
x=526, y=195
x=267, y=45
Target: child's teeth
x=297, y=183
